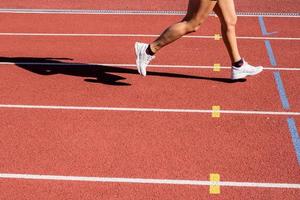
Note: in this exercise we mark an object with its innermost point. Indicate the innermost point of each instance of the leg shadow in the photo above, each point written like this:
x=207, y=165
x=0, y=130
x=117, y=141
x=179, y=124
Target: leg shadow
x=92, y=73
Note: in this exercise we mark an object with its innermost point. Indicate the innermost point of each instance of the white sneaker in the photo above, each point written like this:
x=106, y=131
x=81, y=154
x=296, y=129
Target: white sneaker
x=244, y=70
x=142, y=58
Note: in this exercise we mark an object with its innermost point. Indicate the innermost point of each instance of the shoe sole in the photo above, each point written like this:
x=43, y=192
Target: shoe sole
x=137, y=61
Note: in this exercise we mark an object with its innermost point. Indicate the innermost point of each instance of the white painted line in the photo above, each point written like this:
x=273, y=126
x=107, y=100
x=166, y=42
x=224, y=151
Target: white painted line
x=267, y=38
x=78, y=34
x=134, y=12
x=150, y=66
x=136, y=35
x=147, y=181
x=67, y=64
x=282, y=68
x=204, y=67
x=163, y=110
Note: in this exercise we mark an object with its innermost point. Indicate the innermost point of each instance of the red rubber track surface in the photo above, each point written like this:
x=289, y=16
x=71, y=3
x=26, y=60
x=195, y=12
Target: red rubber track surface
x=241, y=5
x=49, y=23
x=171, y=146
x=244, y=148
x=76, y=190
x=189, y=81
x=72, y=83
x=183, y=51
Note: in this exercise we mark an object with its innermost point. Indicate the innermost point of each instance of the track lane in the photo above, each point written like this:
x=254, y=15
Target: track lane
x=157, y=145
x=120, y=50
x=71, y=80
x=151, y=92
x=100, y=50
x=283, y=27
x=49, y=23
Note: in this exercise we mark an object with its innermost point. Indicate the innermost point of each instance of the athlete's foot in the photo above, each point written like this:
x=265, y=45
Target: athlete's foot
x=245, y=70
x=142, y=58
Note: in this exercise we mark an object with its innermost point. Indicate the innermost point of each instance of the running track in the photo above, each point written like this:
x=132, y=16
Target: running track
x=72, y=106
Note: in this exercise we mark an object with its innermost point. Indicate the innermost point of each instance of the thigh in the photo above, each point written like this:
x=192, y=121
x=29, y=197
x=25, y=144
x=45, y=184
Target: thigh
x=199, y=9
x=225, y=9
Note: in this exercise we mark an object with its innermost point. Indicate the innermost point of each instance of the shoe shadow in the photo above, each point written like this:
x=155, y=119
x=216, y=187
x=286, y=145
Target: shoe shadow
x=92, y=73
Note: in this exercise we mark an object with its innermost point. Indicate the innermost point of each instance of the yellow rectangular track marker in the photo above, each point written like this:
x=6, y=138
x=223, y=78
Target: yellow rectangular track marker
x=214, y=187
x=216, y=111
x=217, y=37
x=217, y=67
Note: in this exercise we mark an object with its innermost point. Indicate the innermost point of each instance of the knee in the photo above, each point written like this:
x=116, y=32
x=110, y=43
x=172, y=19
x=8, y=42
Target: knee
x=230, y=23
x=193, y=25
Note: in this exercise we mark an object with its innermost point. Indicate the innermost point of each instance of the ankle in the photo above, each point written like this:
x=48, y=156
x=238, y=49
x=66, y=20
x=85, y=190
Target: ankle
x=238, y=63
x=149, y=51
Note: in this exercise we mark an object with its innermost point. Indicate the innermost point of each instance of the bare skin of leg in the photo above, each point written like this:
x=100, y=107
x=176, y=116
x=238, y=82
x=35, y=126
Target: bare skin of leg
x=225, y=10
x=198, y=11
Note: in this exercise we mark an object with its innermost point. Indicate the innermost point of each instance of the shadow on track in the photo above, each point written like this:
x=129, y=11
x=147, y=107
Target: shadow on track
x=93, y=73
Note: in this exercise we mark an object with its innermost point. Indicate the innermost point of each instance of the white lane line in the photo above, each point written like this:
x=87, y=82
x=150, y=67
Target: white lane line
x=133, y=65
x=267, y=38
x=147, y=181
x=136, y=12
x=138, y=35
x=163, y=110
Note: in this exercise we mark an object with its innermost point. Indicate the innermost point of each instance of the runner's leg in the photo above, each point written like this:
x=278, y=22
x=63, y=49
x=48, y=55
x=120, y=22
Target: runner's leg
x=197, y=12
x=225, y=10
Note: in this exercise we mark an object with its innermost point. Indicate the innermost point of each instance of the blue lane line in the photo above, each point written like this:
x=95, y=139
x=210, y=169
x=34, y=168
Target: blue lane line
x=281, y=90
x=270, y=53
x=295, y=137
x=267, y=42
x=277, y=76
x=263, y=26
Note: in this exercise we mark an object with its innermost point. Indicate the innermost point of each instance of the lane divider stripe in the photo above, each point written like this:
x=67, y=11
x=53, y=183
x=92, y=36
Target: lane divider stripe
x=137, y=12
x=281, y=91
x=215, y=37
x=148, y=181
x=295, y=137
x=134, y=65
x=14, y=106
x=270, y=53
x=263, y=27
